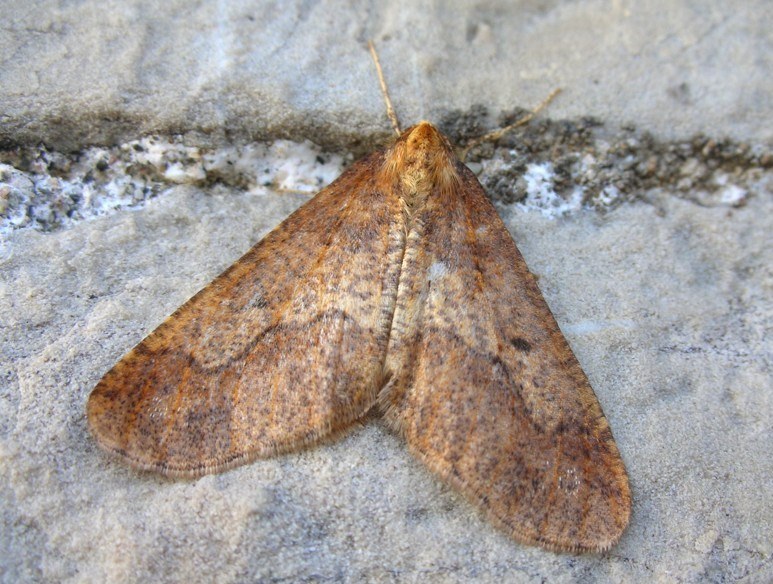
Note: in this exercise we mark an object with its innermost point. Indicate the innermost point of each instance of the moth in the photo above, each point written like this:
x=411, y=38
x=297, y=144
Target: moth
x=397, y=287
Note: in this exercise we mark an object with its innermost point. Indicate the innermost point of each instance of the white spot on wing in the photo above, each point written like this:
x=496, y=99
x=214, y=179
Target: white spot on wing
x=436, y=271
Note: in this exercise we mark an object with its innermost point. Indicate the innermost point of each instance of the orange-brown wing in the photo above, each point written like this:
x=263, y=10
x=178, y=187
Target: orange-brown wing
x=487, y=391
x=285, y=347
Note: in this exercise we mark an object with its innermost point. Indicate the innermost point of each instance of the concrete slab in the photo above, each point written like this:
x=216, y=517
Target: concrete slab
x=85, y=73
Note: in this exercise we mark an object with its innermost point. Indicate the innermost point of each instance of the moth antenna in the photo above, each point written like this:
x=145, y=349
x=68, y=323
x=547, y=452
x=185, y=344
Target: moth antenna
x=497, y=134
x=390, y=110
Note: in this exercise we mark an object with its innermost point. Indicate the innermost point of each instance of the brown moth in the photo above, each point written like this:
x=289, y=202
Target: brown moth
x=396, y=287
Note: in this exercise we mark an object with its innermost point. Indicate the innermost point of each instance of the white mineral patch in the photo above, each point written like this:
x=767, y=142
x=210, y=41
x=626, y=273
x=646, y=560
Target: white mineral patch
x=542, y=196
x=104, y=180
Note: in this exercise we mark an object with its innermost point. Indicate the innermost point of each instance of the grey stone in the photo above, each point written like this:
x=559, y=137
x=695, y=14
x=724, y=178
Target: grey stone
x=666, y=305
x=84, y=73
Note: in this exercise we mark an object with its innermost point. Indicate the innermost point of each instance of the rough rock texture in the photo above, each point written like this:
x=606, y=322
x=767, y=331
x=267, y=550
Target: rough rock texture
x=77, y=73
x=665, y=296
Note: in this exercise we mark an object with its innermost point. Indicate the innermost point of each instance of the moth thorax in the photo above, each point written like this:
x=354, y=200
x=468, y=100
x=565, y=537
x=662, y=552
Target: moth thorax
x=416, y=182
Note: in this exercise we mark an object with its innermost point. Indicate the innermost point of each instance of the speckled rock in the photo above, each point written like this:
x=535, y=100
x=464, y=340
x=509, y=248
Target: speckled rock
x=78, y=74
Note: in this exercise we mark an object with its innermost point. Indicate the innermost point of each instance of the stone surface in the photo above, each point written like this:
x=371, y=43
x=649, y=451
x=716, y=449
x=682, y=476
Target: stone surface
x=79, y=73
x=666, y=299
x=666, y=306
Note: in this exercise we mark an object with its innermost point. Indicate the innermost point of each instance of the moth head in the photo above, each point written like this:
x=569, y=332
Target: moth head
x=421, y=160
